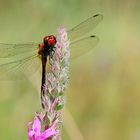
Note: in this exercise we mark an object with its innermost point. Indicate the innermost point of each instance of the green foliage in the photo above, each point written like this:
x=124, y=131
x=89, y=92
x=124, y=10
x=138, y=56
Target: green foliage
x=58, y=94
x=59, y=107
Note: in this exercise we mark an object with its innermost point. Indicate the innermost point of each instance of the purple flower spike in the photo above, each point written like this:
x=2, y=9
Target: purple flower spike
x=53, y=98
x=34, y=131
x=56, y=82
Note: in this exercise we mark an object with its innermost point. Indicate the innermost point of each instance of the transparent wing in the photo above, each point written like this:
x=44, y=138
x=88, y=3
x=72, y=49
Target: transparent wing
x=17, y=68
x=84, y=27
x=82, y=46
x=8, y=50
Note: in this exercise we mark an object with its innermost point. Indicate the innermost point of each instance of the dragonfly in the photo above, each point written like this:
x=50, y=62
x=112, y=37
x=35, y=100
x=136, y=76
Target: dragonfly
x=17, y=60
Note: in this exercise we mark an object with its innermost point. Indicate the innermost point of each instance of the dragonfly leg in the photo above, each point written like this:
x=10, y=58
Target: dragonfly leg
x=51, y=55
x=50, y=59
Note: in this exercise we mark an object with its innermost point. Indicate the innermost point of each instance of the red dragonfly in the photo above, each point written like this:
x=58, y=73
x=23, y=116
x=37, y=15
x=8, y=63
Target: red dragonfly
x=17, y=60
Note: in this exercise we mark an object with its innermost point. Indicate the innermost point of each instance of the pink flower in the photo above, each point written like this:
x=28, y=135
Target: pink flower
x=34, y=131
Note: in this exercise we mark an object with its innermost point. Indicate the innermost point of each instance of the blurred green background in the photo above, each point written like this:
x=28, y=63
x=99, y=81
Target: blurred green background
x=104, y=89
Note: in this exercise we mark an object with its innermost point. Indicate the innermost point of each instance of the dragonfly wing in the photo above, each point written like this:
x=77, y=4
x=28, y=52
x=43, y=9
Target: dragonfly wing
x=8, y=50
x=17, y=69
x=82, y=46
x=84, y=27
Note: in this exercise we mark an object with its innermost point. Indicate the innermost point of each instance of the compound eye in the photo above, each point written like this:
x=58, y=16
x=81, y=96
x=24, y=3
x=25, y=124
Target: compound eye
x=51, y=41
x=46, y=38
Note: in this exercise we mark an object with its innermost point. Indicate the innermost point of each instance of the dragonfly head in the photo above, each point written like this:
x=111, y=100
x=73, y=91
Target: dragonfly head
x=50, y=40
